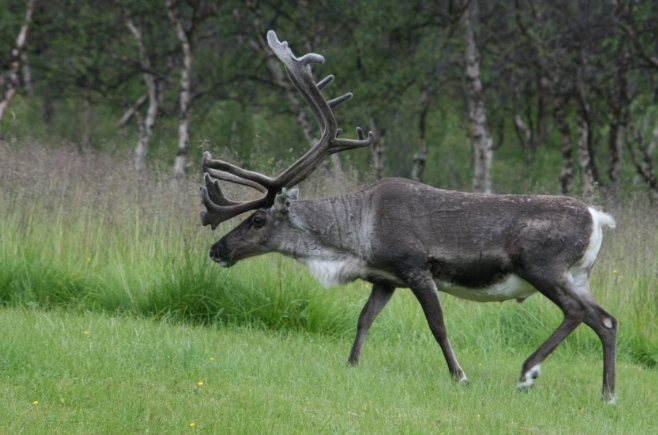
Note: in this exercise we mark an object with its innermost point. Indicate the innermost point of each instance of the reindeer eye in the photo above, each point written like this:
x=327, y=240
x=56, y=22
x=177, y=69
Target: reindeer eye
x=258, y=222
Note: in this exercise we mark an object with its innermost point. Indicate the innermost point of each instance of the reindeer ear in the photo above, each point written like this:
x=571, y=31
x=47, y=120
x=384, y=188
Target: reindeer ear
x=293, y=194
x=282, y=204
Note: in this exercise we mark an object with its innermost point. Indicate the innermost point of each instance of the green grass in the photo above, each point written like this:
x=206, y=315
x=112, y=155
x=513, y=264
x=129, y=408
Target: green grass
x=84, y=234
x=93, y=374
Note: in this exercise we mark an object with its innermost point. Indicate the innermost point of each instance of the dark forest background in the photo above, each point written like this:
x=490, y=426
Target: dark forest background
x=559, y=96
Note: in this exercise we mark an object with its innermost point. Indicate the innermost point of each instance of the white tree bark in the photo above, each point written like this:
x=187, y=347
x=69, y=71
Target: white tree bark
x=525, y=135
x=14, y=69
x=477, y=114
x=184, y=95
x=145, y=124
x=86, y=121
x=566, y=176
x=584, y=159
x=421, y=156
x=131, y=110
x=377, y=149
x=27, y=74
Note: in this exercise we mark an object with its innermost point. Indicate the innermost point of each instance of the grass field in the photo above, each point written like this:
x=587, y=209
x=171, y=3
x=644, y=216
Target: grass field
x=111, y=304
x=73, y=373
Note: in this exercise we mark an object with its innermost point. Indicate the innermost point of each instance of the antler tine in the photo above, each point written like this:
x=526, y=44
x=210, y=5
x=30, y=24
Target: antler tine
x=339, y=145
x=325, y=82
x=247, y=176
x=221, y=175
x=336, y=101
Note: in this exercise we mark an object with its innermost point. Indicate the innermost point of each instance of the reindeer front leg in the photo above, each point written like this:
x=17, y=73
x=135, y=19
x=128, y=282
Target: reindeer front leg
x=423, y=286
x=378, y=299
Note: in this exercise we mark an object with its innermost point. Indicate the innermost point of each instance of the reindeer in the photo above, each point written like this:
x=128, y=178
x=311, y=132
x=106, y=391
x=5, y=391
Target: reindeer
x=399, y=233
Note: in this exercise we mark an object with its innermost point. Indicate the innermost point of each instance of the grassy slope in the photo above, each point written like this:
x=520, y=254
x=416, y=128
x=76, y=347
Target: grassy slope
x=136, y=376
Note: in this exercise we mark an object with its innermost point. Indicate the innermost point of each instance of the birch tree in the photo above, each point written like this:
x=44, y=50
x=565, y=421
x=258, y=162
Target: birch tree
x=420, y=158
x=477, y=113
x=12, y=75
x=145, y=123
x=185, y=35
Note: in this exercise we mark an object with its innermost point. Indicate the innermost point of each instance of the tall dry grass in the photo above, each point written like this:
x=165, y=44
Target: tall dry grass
x=87, y=232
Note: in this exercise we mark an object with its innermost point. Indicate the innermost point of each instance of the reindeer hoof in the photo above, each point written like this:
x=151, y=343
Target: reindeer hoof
x=463, y=380
x=528, y=378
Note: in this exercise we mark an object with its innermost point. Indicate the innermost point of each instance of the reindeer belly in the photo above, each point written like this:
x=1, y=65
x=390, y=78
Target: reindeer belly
x=510, y=287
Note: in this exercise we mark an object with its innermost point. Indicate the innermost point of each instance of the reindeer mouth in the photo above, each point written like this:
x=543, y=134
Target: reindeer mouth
x=220, y=261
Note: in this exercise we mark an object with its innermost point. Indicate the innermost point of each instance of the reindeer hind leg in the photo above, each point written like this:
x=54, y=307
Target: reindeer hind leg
x=558, y=288
x=605, y=327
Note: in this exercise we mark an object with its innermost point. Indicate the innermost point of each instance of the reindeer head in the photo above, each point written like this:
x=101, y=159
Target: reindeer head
x=262, y=232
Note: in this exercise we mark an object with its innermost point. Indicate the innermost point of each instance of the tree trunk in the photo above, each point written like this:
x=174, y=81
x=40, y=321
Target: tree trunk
x=566, y=177
x=614, y=146
x=145, y=124
x=644, y=165
x=585, y=117
x=477, y=115
x=131, y=110
x=525, y=136
x=86, y=122
x=420, y=158
x=377, y=149
x=621, y=100
x=14, y=68
x=184, y=94
x=585, y=160
x=27, y=74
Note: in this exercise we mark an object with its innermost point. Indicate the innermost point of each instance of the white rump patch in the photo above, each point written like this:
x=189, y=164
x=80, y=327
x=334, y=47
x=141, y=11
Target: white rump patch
x=529, y=377
x=512, y=287
x=599, y=220
x=579, y=274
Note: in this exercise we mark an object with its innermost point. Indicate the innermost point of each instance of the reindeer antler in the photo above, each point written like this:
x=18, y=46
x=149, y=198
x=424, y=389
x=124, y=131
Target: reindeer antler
x=218, y=207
